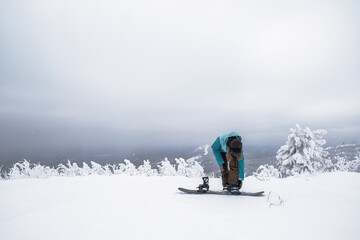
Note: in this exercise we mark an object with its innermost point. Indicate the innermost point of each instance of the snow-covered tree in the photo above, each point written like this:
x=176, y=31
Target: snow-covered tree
x=166, y=168
x=196, y=170
x=341, y=164
x=128, y=168
x=265, y=172
x=25, y=169
x=303, y=152
x=3, y=174
x=86, y=169
x=355, y=164
x=97, y=169
x=182, y=167
x=146, y=170
x=20, y=170
x=189, y=167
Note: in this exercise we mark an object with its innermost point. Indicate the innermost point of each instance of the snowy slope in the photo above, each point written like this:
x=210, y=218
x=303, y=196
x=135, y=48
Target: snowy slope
x=326, y=206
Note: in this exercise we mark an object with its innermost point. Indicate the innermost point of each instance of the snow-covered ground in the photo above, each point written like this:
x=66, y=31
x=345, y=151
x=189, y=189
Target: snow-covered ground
x=325, y=206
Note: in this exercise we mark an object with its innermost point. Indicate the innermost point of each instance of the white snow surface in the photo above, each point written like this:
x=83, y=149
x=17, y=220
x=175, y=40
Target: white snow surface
x=325, y=206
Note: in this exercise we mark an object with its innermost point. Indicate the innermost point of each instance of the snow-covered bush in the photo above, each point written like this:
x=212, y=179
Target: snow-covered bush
x=356, y=164
x=342, y=164
x=189, y=167
x=182, y=167
x=3, y=174
x=166, y=168
x=265, y=172
x=70, y=169
x=97, y=169
x=303, y=152
x=128, y=168
x=86, y=169
x=146, y=170
x=26, y=169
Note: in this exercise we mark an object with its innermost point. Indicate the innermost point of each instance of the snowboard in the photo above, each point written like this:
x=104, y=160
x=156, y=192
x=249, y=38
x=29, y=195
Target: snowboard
x=253, y=194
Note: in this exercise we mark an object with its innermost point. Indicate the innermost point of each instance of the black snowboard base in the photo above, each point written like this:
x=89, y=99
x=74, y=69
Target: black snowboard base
x=189, y=191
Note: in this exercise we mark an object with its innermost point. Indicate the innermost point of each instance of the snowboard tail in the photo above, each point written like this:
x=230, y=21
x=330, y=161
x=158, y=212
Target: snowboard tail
x=190, y=191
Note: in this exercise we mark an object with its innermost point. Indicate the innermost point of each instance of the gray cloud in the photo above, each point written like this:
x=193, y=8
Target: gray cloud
x=85, y=73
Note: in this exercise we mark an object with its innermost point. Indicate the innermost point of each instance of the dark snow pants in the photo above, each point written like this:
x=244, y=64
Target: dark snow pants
x=231, y=171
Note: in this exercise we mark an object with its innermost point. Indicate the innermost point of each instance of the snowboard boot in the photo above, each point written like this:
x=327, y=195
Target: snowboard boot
x=205, y=186
x=233, y=188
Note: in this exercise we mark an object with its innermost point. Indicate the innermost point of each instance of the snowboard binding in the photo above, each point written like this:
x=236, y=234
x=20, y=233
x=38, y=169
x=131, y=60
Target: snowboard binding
x=205, y=186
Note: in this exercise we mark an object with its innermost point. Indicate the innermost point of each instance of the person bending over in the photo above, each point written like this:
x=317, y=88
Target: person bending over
x=228, y=153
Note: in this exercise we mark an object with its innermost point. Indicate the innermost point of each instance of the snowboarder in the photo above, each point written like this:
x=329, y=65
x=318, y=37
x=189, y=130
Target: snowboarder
x=228, y=152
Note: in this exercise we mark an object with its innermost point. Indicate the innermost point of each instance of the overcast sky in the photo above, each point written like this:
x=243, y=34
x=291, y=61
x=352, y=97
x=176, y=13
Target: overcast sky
x=140, y=74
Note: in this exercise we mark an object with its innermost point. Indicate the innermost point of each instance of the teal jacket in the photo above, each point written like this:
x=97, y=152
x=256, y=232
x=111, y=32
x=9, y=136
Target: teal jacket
x=220, y=146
